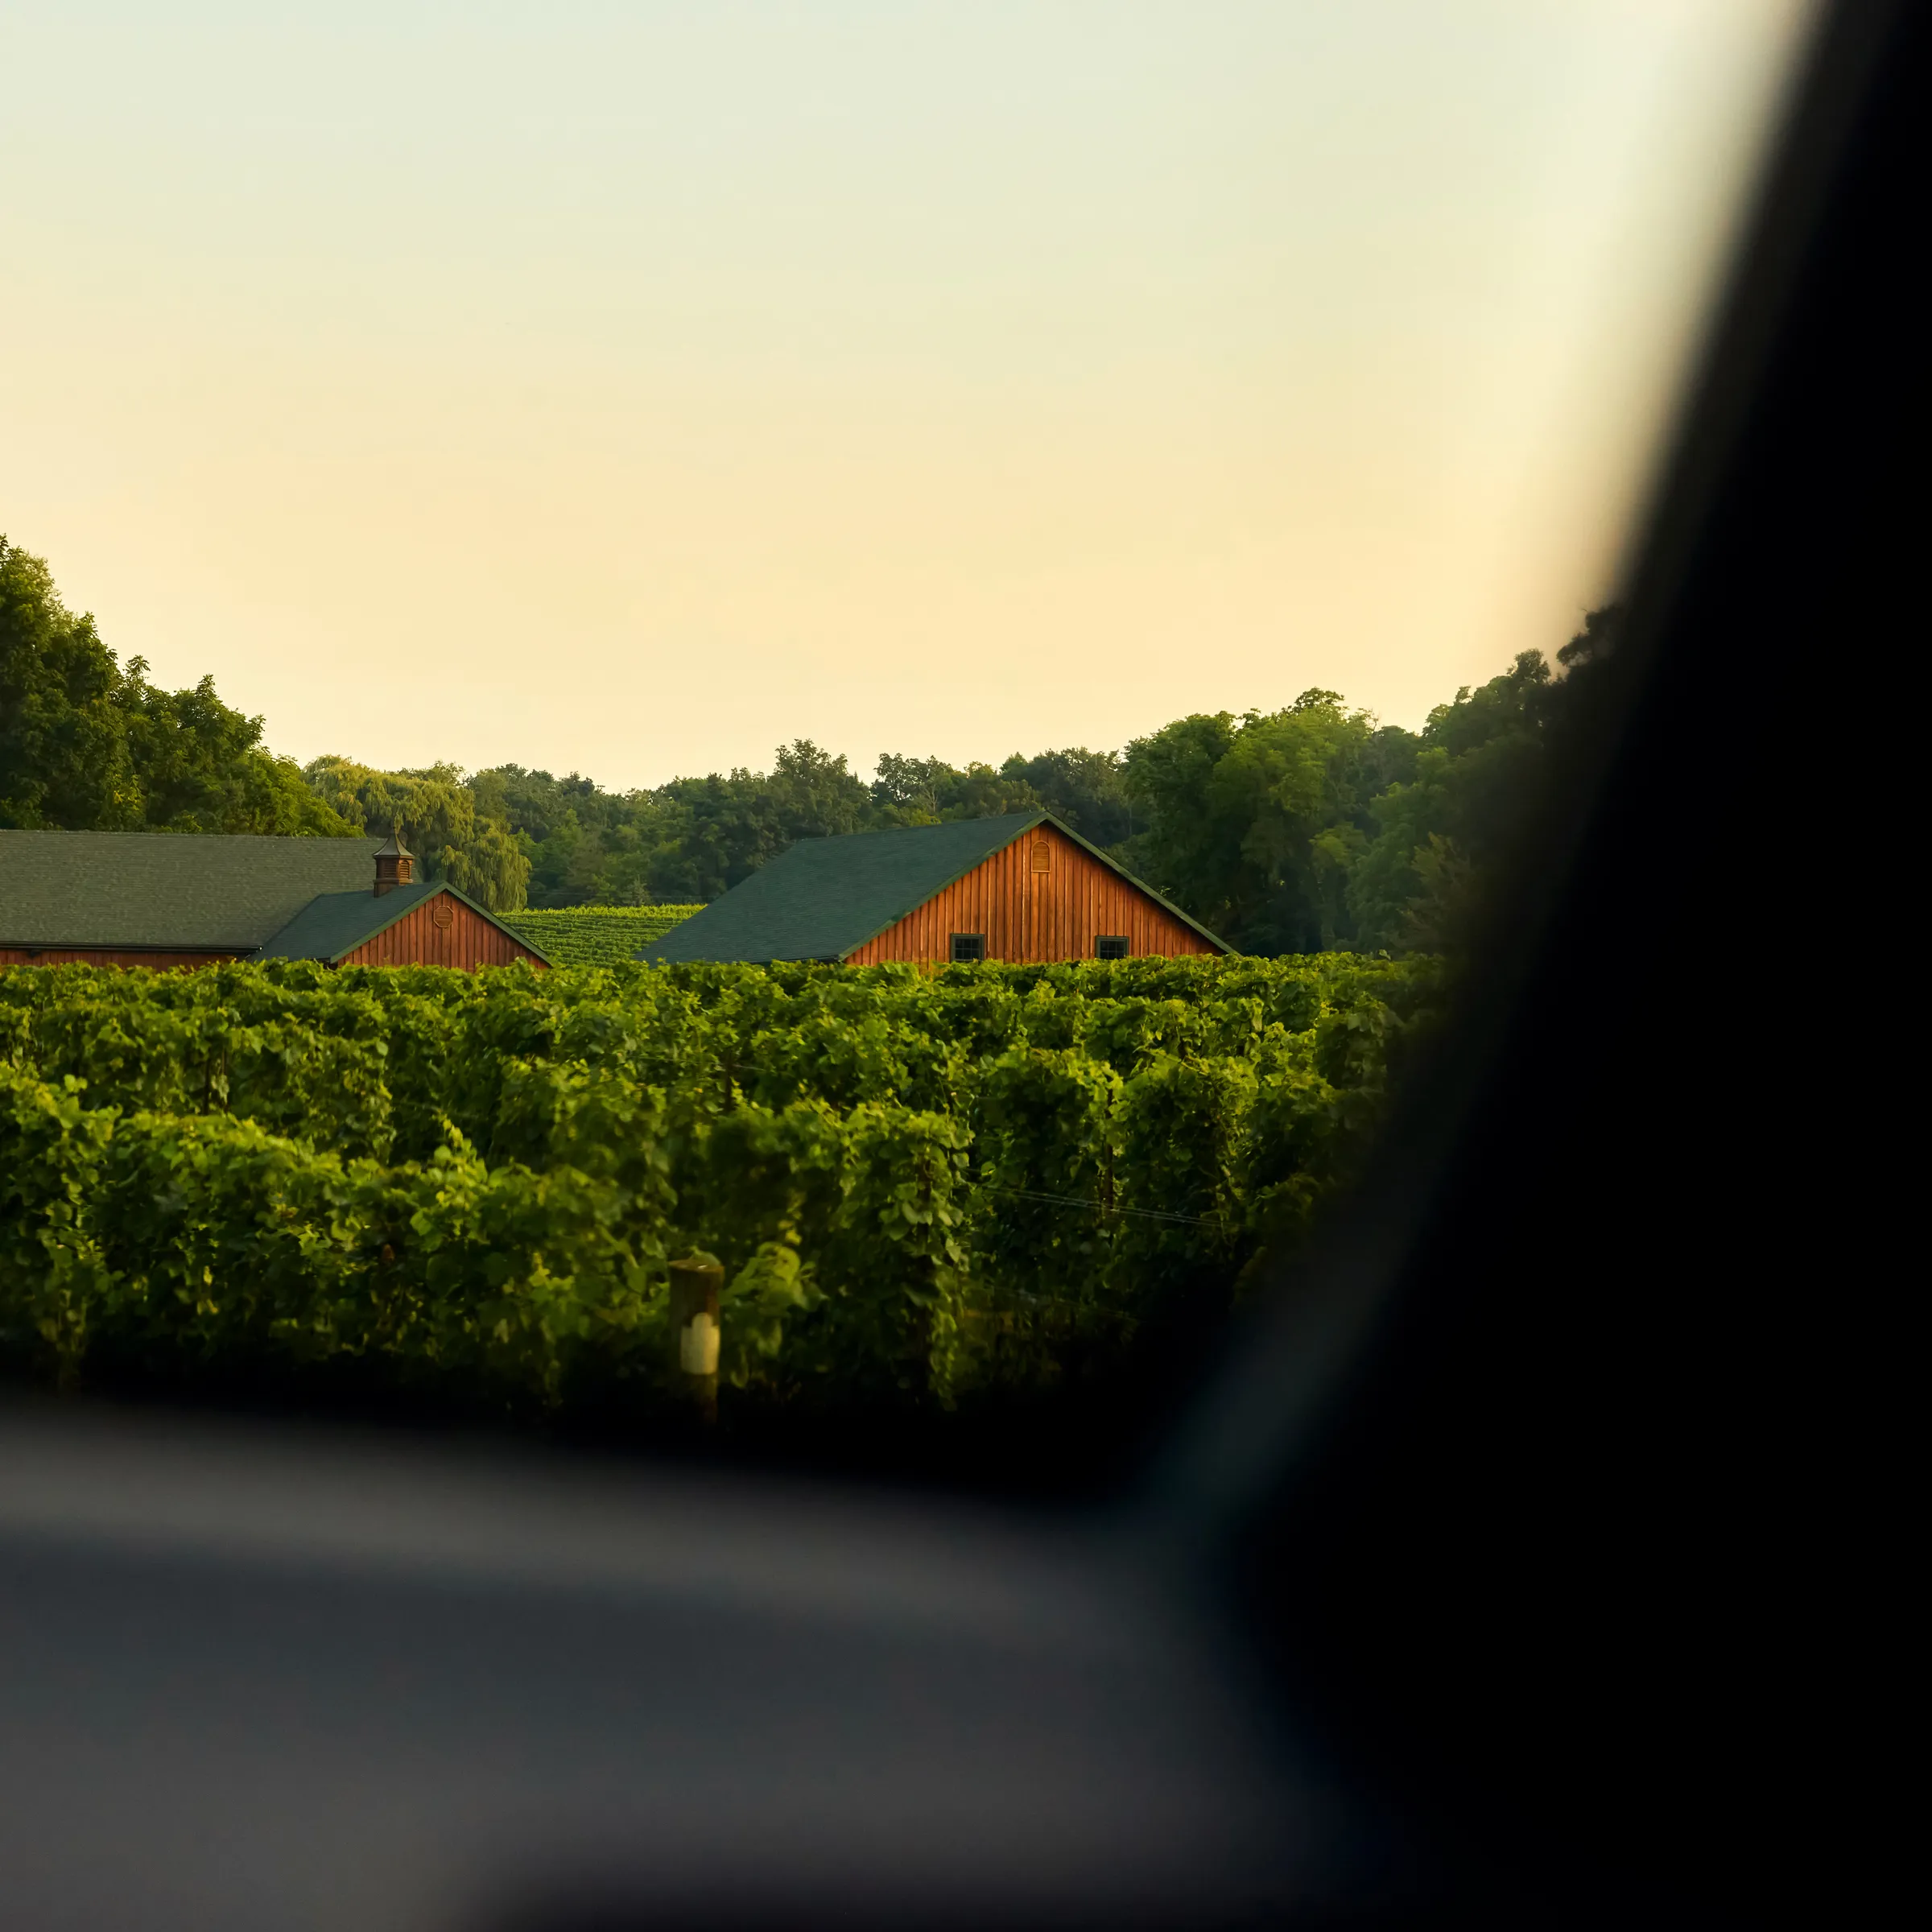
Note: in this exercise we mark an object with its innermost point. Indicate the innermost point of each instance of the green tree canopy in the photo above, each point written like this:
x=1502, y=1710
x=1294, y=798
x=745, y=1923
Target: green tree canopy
x=1480, y=771
x=435, y=813
x=1086, y=790
x=1251, y=824
x=929, y=792
x=1288, y=831
x=88, y=745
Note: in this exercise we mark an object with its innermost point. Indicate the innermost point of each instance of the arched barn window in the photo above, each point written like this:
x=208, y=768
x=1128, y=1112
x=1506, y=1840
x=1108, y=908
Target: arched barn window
x=1043, y=856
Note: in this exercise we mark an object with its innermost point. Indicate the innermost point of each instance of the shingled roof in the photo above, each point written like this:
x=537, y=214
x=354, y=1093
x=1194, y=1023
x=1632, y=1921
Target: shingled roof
x=167, y=891
x=823, y=898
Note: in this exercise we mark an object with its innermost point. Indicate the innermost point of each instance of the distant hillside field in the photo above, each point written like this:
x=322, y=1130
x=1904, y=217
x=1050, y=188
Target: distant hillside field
x=595, y=936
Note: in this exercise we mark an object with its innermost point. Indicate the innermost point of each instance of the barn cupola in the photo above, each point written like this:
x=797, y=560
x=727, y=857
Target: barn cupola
x=395, y=865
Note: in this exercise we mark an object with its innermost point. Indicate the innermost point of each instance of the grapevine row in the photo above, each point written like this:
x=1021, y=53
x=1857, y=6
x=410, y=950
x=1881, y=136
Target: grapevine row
x=917, y=1184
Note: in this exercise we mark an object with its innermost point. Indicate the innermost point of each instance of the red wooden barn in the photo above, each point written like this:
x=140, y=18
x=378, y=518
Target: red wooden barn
x=159, y=899
x=1020, y=888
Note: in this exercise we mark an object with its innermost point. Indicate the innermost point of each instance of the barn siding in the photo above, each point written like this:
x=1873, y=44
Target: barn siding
x=1030, y=916
x=155, y=959
x=468, y=942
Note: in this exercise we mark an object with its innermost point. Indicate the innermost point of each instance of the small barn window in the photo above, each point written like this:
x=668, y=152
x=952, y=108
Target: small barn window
x=969, y=946
x=1042, y=855
x=1110, y=946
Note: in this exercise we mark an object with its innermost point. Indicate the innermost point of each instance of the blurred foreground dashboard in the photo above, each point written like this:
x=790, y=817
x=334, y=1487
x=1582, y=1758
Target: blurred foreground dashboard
x=248, y=1681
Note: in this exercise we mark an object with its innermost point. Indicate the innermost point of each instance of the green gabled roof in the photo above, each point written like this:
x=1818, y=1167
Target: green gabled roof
x=337, y=922
x=190, y=891
x=823, y=898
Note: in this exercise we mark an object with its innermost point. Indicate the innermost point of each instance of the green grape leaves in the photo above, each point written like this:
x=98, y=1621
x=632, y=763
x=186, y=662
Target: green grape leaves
x=920, y=1184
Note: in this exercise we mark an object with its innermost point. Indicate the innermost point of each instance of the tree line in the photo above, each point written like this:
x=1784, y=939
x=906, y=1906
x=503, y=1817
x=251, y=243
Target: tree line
x=1309, y=828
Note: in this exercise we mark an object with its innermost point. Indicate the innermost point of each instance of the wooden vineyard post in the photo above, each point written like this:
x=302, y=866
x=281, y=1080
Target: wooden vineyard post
x=695, y=1285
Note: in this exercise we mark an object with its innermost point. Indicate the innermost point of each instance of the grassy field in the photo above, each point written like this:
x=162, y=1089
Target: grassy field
x=595, y=936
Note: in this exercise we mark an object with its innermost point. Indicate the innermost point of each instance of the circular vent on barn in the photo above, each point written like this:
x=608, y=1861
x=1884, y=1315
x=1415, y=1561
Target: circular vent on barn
x=444, y=912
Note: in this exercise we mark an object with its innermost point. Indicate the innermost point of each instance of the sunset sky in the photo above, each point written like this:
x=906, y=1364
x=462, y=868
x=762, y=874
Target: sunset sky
x=628, y=388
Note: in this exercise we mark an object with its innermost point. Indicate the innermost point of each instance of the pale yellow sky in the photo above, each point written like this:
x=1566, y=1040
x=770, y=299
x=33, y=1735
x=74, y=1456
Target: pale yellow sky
x=628, y=388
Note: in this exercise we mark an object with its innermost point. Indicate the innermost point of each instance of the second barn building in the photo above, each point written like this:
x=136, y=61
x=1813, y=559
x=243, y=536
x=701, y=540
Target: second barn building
x=181, y=899
x=1022, y=889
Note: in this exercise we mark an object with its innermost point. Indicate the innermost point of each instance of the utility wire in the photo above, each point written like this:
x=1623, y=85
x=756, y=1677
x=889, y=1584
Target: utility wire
x=1068, y=1200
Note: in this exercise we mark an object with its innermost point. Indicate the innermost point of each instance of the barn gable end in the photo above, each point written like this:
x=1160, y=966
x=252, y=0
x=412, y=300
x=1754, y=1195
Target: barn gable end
x=444, y=931
x=1029, y=912
x=1033, y=890
x=428, y=924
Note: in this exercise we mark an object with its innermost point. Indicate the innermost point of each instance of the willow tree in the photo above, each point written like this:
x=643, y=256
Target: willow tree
x=435, y=813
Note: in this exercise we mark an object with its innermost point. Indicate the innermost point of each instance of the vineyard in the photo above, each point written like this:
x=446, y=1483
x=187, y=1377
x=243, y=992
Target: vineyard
x=595, y=936
x=920, y=1187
